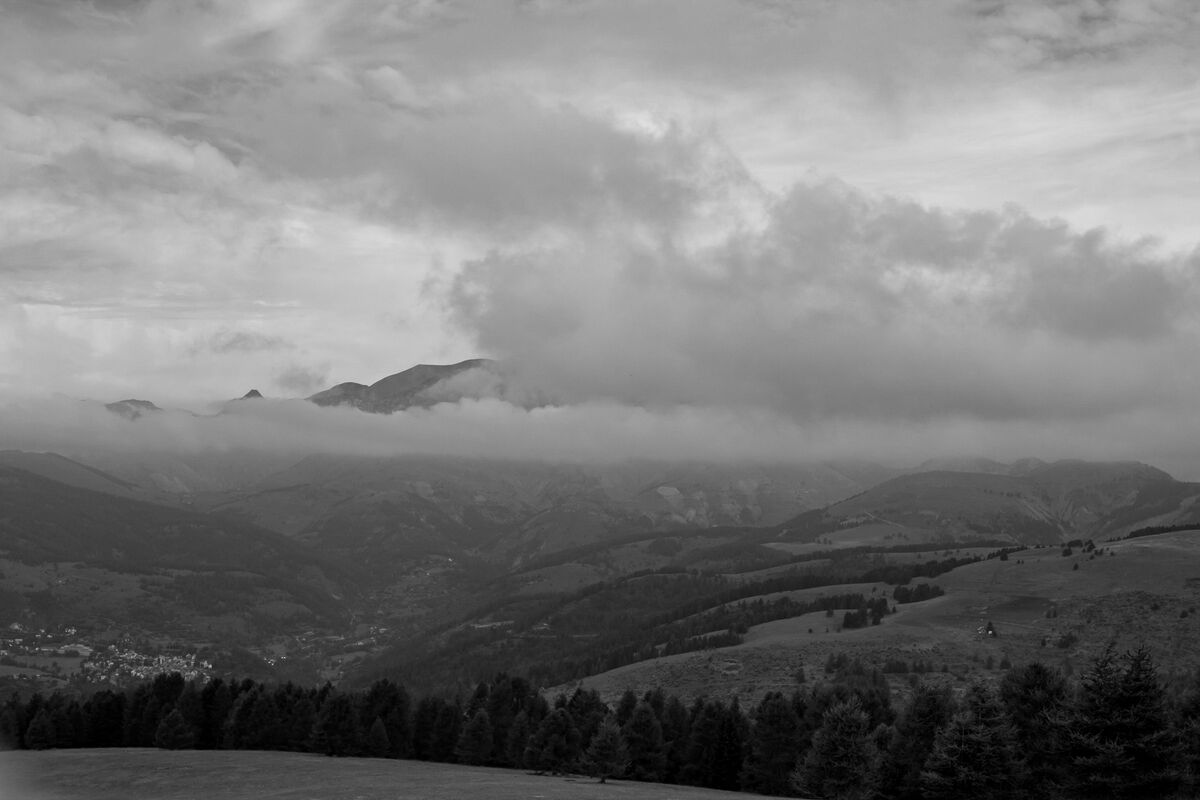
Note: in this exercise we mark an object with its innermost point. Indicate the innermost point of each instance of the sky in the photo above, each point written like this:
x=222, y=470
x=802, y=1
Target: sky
x=700, y=227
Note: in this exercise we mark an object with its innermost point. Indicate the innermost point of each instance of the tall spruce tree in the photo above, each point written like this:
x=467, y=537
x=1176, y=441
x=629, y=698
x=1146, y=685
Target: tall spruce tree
x=1121, y=743
x=606, y=756
x=336, y=731
x=976, y=755
x=1036, y=697
x=1187, y=722
x=554, y=747
x=773, y=748
x=475, y=743
x=642, y=734
x=378, y=744
x=841, y=765
x=175, y=732
x=927, y=712
x=40, y=735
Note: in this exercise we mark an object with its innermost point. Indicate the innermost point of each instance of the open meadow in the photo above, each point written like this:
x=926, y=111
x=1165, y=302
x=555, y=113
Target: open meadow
x=145, y=774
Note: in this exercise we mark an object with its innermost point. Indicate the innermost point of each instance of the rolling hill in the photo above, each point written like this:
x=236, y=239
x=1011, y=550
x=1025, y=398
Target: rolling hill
x=70, y=554
x=1026, y=503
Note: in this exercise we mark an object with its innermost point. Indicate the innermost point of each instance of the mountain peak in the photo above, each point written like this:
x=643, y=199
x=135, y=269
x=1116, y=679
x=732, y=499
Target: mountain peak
x=131, y=408
x=253, y=394
x=416, y=386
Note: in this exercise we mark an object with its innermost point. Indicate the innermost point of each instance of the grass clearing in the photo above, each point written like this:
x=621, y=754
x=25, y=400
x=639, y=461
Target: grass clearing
x=146, y=774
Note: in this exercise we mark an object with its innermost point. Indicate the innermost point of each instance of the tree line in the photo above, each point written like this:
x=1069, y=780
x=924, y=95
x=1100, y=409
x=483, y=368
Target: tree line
x=1113, y=734
x=603, y=626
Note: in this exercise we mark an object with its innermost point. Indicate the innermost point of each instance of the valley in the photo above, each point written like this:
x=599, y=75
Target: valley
x=440, y=570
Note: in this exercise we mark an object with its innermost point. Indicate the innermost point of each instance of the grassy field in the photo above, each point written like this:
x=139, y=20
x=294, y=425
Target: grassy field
x=187, y=774
x=1042, y=607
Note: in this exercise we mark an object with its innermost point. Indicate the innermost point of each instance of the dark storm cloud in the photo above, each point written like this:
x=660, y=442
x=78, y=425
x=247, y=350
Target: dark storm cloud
x=843, y=304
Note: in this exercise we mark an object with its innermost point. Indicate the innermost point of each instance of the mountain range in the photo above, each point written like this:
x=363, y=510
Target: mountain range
x=242, y=546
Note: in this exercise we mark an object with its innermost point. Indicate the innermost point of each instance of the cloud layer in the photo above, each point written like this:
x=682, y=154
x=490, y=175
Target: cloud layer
x=811, y=226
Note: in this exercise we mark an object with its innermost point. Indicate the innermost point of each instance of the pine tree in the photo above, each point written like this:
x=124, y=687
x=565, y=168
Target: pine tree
x=676, y=730
x=701, y=759
x=625, y=706
x=554, y=747
x=927, y=712
x=475, y=743
x=773, y=748
x=40, y=734
x=606, y=755
x=424, y=722
x=1036, y=698
x=841, y=763
x=102, y=719
x=378, y=744
x=336, y=730
x=642, y=735
x=518, y=740
x=174, y=733
x=1188, y=724
x=975, y=755
x=1121, y=743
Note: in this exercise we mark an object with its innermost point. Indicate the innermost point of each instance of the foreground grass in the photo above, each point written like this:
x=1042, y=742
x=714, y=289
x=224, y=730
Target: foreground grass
x=144, y=774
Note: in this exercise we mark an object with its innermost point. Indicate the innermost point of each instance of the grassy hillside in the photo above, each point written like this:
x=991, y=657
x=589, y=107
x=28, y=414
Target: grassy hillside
x=1039, y=504
x=1140, y=591
x=119, y=774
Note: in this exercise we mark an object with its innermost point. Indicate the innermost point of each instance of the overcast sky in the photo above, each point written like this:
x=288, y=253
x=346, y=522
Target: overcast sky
x=939, y=225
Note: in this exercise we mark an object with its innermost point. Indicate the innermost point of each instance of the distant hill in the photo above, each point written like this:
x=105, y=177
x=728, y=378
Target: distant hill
x=64, y=470
x=1030, y=502
x=72, y=554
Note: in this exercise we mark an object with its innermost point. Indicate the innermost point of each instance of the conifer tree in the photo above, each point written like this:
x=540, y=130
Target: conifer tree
x=447, y=727
x=554, y=747
x=927, y=712
x=1121, y=743
x=841, y=764
x=518, y=739
x=336, y=730
x=216, y=699
x=103, y=713
x=975, y=755
x=174, y=732
x=642, y=735
x=378, y=744
x=40, y=734
x=475, y=743
x=676, y=730
x=773, y=748
x=301, y=718
x=606, y=755
x=1036, y=697
x=1187, y=722
x=14, y=719
x=625, y=706
x=424, y=722
x=701, y=759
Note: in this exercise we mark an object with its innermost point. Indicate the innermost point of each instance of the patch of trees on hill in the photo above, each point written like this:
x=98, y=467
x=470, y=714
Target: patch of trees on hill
x=605, y=625
x=1113, y=734
x=1153, y=530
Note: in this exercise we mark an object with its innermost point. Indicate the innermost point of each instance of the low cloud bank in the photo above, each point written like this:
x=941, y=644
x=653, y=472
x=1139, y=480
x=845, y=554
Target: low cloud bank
x=584, y=433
